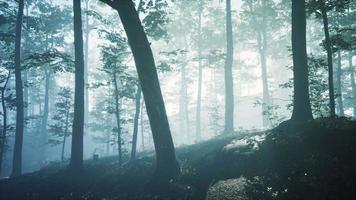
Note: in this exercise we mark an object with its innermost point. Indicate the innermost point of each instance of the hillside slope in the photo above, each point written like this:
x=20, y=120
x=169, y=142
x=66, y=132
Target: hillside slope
x=315, y=160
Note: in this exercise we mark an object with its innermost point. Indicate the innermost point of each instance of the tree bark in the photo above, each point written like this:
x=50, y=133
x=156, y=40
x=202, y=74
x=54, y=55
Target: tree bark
x=4, y=123
x=167, y=166
x=17, y=158
x=301, y=101
x=340, y=103
x=330, y=60
x=76, y=161
x=229, y=84
x=135, y=130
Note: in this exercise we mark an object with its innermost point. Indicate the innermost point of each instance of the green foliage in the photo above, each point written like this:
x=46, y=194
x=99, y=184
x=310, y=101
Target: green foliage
x=61, y=123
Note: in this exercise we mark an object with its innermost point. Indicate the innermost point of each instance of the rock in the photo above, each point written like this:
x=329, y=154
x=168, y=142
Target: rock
x=230, y=189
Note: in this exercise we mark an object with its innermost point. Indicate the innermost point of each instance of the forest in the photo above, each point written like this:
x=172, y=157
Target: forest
x=177, y=99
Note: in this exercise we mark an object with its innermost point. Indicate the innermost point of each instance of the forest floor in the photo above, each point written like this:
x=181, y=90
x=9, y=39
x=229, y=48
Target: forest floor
x=314, y=160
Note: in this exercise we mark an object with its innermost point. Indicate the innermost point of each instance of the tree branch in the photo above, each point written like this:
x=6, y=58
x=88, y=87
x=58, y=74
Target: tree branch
x=111, y=3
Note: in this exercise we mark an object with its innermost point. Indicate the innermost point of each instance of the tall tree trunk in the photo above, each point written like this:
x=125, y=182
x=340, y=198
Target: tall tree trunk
x=118, y=118
x=301, y=101
x=76, y=160
x=17, y=158
x=4, y=123
x=167, y=165
x=45, y=116
x=353, y=83
x=135, y=130
x=330, y=60
x=229, y=84
x=200, y=77
x=86, y=61
x=340, y=103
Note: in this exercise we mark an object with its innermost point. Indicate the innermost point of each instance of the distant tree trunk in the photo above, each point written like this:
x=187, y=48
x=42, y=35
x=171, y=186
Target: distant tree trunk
x=200, y=77
x=76, y=160
x=353, y=83
x=167, y=165
x=301, y=101
x=330, y=60
x=86, y=53
x=229, y=84
x=142, y=126
x=340, y=103
x=135, y=130
x=183, y=104
x=4, y=123
x=17, y=158
x=262, y=44
x=65, y=135
x=118, y=118
x=45, y=116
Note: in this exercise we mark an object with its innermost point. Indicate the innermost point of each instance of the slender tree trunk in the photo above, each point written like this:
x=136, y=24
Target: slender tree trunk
x=17, y=158
x=339, y=85
x=353, y=83
x=65, y=135
x=86, y=59
x=137, y=115
x=229, y=84
x=76, y=161
x=45, y=117
x=262, y=45
x=301, y=101
x=167, y=166
x=142, y=126
x=200, y=77
x=4, y=123
x=330, y=61
x=118, y=118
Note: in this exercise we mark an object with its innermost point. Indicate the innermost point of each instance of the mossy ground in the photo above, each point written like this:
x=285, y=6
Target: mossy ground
x=314, y=160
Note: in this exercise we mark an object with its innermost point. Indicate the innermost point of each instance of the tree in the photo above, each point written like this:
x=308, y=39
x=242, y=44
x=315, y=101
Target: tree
x=62, y=119
x=76, y=161
x=17, y=158
x=229, y=84
x=4, y=79
x=137, y=115
x=301, y=102
x=167, y=166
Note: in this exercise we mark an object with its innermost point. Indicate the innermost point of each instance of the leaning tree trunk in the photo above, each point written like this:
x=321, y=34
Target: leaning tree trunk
x=200, y=77
x=229, y=84
x=330, y=61
x=76, y=160
x=17, y=158
x=301, y=101
x=167, y=166
x=4, y=123
x=353, y=83
x=340, y=103
x=135, y=129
